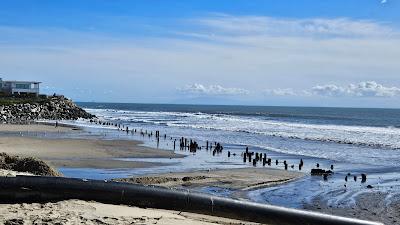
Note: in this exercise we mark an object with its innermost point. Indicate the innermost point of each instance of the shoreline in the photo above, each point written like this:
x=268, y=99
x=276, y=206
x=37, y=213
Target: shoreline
x=236, y=180
x=84, y=153
x=93, y=154
x=77, y=152
x=231, y=183
x=111, y=149
x=110, y=154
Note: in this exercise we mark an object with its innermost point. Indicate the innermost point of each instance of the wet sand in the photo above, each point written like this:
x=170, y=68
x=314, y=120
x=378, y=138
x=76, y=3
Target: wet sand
x=369, y=206
x=80, y=148
x=78, y=153
x=238, y=181
x=93, y=153
x=83, y=212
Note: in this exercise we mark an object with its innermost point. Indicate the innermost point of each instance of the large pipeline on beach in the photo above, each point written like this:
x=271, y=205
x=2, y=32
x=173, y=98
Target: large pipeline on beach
x=42, y=189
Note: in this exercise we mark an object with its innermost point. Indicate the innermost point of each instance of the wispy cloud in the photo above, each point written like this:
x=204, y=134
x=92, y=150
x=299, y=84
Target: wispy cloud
x=280, y=92
x=314, y=27
x=361, y=89
x=240, y=53
x=215, y=90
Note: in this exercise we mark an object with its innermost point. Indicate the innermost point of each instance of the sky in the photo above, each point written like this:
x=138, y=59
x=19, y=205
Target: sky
x=333, y=53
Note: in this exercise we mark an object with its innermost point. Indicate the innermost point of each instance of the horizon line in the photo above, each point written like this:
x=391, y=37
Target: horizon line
x=242, y=105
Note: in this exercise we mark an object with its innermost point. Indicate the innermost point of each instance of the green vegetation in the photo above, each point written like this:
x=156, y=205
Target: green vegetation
x=10, y=100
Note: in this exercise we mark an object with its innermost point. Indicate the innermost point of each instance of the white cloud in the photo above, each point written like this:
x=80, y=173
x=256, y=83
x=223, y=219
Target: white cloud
x=328, y=90
x=384, y=1
x=215, y=90
x=280, y=92
x=362, y=89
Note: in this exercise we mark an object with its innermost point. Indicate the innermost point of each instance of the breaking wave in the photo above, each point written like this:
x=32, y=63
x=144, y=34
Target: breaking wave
x=381, y=137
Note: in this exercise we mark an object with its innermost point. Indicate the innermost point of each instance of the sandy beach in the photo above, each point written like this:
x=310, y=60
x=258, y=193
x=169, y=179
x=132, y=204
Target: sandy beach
x=37, y=127
x=94, y=153
x=90, y=212
x=83, y=212
x=83, y=153
x=88, y=153
x=284, y=112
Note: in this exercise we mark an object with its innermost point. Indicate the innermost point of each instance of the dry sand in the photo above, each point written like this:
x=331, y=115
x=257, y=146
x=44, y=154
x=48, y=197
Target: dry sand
x=82, y=212
x=35, y=128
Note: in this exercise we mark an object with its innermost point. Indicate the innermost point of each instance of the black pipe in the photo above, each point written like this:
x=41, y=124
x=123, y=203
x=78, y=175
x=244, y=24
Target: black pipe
x=42, y=189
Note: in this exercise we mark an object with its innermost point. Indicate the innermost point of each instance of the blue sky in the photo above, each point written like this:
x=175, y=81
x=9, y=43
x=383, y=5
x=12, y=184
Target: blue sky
x=294, y=52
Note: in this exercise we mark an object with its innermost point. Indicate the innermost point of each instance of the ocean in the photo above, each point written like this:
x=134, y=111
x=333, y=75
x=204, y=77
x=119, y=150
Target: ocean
x=370, y=136
x=353, y=140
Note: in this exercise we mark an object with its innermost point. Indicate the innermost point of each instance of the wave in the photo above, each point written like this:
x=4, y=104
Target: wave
x=290, y=135
x=377, y=137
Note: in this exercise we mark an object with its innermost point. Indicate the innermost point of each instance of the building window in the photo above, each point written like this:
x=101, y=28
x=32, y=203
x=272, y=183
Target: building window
x=22, y=86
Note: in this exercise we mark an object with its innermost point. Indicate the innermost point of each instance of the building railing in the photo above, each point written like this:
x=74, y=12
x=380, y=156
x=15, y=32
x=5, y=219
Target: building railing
x=30, y=90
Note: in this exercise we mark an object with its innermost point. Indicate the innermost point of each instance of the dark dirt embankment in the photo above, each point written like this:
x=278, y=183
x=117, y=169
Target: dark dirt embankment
x=26, y=164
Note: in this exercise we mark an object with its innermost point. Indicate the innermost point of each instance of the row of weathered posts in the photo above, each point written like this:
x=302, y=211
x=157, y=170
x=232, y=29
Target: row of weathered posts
x=217, y=148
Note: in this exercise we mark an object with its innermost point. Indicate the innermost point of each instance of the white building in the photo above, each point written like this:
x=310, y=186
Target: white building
x=14, y=87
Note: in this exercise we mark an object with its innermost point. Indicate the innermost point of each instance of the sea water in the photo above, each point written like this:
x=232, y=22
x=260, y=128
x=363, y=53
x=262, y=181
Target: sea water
x=354, y=140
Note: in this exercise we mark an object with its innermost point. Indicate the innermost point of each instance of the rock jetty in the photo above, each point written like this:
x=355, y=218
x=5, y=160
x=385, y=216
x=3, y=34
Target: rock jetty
x=48, y=108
